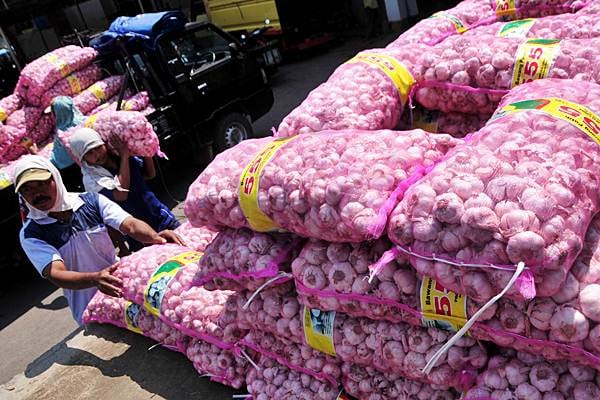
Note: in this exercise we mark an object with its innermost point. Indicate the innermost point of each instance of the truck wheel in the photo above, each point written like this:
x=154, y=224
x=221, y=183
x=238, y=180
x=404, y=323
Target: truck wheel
x=231, y=129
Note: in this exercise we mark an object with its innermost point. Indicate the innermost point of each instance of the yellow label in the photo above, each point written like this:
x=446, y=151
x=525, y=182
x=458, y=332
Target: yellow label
x=3, y=114
x=127, y=106
x=132, y=312
x=426, y=120
x=4, y=179
x=534, y=59
x=458, y=24
x=573, y=113
x=74, y=83
x=97, y=91
x=394, y=69
x=505, y=8
x=517, y=29
x=90, y=121
x=441, y=308
x=159, y=282
x=249, y=184
x=318, y=330
x=62, y=66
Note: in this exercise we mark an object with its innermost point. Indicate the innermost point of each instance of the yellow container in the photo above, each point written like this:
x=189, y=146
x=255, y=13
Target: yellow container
x=237, y=15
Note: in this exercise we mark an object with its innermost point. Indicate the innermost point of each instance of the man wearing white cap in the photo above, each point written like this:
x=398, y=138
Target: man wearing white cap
x=65, y=235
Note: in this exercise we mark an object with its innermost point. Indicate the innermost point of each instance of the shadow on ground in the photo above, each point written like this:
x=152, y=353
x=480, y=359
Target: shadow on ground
x=159, y=371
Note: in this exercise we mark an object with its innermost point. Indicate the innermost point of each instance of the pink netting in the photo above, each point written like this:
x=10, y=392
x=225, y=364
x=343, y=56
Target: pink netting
x=243, y=259
x=455, y=124
x=337, y=185
x=9, y=105
x=525, y=376
x=131, y=126
x=470, y=74
x=131, y=102
x=40, y=75
x=388, y=347
x=72, y=84
x=272, y=380
x=368, y=383
x=220, y=364
x=97, y=94
x=356, y=96
x=195, y=238
x=510, y=195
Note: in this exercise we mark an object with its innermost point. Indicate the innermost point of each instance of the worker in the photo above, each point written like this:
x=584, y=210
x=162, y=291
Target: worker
x=65, y=235
x=66, y=116
x=121, y=178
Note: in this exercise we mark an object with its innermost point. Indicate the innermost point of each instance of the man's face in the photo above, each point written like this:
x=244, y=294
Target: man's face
x=40, y=194
x=96, y=156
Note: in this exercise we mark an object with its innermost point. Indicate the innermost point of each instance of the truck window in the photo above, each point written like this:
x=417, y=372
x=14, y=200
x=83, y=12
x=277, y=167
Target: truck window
x=200, y=49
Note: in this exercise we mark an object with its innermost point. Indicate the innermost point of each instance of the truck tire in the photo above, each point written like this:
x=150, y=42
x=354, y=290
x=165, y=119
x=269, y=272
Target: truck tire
x=231, y=129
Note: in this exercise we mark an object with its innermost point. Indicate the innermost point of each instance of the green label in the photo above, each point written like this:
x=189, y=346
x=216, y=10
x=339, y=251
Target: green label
x=517, y=29
x=161, y=278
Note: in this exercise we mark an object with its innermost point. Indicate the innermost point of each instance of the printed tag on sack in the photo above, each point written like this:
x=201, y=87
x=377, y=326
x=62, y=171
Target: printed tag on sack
x=249, y=185
x=426, y=120
x=458, y=24
x=318, y=330
x=505, y=9
x=517, y=29
x=161, y=278
x=74, y=84
x=3, y=114
x=90, y=121
x=97, y=91
x=132, y=312
x=441, y=308
x=61, y=65
x=394, y=69
x=573, y=113
x=534, y=60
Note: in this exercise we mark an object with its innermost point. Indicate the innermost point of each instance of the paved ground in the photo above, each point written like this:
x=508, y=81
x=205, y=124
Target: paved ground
x=44, y=355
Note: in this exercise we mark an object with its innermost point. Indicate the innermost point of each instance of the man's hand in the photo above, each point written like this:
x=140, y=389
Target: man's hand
x=120, y=146
x=107, y=283
x=169, y=236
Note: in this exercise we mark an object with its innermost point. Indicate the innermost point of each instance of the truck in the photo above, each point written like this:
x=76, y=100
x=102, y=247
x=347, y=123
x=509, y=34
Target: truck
x=205, y=87
x=289, y=26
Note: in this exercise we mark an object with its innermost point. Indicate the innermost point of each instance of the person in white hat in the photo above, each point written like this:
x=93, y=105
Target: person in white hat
x=65, y=234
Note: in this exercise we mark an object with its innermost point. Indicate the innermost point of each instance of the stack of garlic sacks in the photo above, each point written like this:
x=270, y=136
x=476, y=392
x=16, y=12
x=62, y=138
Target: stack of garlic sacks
x=67, y=71
x=302, y=232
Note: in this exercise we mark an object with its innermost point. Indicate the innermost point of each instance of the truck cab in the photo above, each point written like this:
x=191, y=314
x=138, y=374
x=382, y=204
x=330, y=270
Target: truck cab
x=200, y=79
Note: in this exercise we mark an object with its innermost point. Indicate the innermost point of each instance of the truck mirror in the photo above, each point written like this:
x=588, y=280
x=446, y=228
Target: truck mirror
x=233, y=47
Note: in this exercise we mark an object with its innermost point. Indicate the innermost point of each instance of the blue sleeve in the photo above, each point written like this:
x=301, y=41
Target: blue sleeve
x=107, y=193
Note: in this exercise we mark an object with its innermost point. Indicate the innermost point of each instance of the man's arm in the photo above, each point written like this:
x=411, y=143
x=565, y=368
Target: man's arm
x=142, y=232
x=57, y=273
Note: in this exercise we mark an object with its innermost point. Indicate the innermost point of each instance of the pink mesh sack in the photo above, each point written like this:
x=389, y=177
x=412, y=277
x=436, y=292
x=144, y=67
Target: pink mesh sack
x=336, y=185
x=218, y=362
x=368, y=92
x=131, y=102
x=524, y=376
x=368, y=383
x=72, y=84
x=388, y=347
x=510, y=200
x=9, y=105
x=242, y=259
x=195, y=238
x=131, y=126
x=41, y=74
x=272, y=380
x=454, y=124
x=470, y=74
x=469, y=14
x=97, y=94
x=336, y=277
